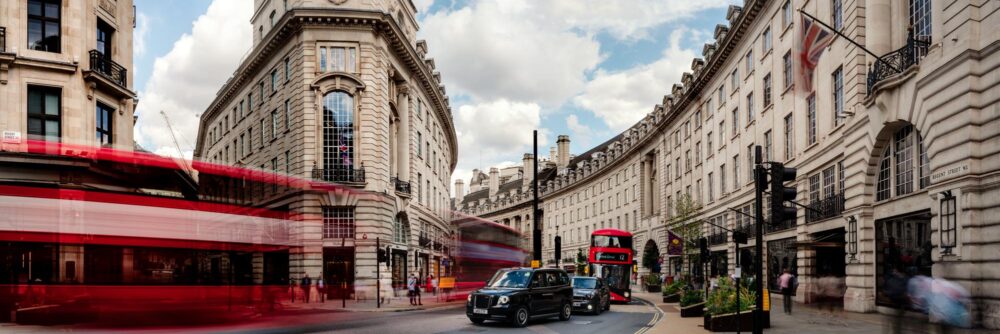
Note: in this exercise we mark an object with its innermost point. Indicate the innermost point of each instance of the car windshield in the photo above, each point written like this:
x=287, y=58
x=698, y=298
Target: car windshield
x=510, y=279
x=584, y=283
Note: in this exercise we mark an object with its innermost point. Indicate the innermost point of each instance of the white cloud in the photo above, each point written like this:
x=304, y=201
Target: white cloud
x=141, y=32
x=185, y=80
x=492, y=133
x=422, y=5
x=579, y=130
x=623, y=20
x=498, y=49
x=622, y=98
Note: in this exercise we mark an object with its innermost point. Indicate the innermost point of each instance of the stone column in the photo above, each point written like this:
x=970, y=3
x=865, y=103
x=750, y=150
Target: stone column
x=403, y=137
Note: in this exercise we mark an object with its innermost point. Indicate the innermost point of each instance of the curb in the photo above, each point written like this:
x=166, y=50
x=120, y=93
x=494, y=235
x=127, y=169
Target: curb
x=657, y=317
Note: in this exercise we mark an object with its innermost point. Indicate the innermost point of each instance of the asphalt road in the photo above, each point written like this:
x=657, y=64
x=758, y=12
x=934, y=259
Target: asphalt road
x=636, y=317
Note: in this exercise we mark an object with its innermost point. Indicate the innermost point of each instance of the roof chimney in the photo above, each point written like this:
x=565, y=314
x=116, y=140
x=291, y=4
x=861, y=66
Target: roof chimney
x=494, y=181
x=563, y=157
x=459, y=192
x=529, y=169
x=552, y=154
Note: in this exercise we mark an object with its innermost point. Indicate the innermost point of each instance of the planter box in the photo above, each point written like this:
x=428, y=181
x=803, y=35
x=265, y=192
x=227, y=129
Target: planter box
x=672, y=298
x=652, y=288
x=708, y=322
x=695, y=310
x=727, y=322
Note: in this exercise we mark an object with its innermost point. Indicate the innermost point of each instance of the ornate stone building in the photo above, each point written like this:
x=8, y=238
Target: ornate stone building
x=896, y=158
x=342, y=92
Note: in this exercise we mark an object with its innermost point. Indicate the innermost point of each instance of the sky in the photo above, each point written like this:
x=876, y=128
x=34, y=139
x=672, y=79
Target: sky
x=585, y=68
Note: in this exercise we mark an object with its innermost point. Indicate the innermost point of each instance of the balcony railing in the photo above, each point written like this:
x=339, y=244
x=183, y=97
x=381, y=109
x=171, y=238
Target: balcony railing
x=828, y=207
x=898, y=61
x=424, y=241
x=717, y=239
x=3, y=39
x=771, y=228
x=340, y=175
x=103, y=65
x=401, y=186
x=749, y=229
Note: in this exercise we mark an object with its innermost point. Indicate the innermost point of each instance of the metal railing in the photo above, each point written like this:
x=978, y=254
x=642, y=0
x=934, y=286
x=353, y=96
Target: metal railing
x=424, y=241
x=717, y=238
x=401, y=186
x=825, y=208
x=340, y=175
x=103, y=64
x=898, y=61
x=3, y=39
x=749, y=229
x=781, y=226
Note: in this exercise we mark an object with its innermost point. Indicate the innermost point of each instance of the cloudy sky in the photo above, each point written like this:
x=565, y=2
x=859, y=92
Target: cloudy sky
x=586, y=68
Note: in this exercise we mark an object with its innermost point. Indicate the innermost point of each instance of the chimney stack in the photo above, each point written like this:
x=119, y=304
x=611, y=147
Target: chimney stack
x=553, y=157
x=563, y=157
x=459, y=192
x=529, y=169
x=473, y=186
x=494, y=181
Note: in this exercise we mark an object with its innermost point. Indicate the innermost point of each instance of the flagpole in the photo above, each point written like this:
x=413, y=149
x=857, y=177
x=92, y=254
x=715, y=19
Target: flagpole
x=835, y=31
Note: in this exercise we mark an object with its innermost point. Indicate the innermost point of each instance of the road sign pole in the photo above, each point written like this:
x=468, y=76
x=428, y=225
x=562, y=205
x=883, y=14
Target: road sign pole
x=759, y=184
x=536, y=231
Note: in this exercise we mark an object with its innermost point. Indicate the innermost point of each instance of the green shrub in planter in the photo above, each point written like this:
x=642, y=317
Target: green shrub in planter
x=723, y=299
x=691, y=297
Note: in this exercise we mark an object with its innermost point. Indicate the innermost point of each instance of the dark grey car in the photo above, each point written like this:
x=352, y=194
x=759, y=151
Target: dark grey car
x=519, y=294
x=591, y=294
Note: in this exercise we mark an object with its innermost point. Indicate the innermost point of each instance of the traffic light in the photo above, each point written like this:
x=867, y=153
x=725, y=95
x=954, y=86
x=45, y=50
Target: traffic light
x=780, y=193
x=703, y=245
x=381, y=255
x=739, y=237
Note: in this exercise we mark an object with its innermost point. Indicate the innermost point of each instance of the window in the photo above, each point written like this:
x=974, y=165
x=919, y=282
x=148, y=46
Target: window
x=687, y=160
x=44, y=113
x=338, y=222
x=338, y=59
x=288, y=162
x=249, y=103
x=288, y=114
x=811, y=114
x=736, y=172
x=722, y=133
x=786, y=13
x=767, y=146
x=734, y=79
x=104, y=123
x=750, y=164
x=765, y=40
x=274, y=124
x=882, y=191
x=44, y=25
x=708, y=143
x=814, y=188
x=767, y=90
x=920, y=19
x=288, y=69
x=263, y=131
x=710, y=191
x=903, y=147
x=338, y=131
x=260, y=88
x=838, y=15
x=722, y=94
x=271, y=18
x=787, y=68
x=925, y=164
x=722, y=179
x=840, y=175
x=838, y=96
x=697, y=152
x=274, y=81
x=750, y=111
x=749, y=60
x=789, y=138
x=829, y=179
x=420, y=139
x=736, y=121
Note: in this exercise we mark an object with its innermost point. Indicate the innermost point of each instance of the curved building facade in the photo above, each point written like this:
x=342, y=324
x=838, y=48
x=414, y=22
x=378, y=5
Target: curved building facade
x=341, y=92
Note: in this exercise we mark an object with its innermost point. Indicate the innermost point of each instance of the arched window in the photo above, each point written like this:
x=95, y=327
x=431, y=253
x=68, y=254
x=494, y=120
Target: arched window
x=904, y=166
x=338, y=131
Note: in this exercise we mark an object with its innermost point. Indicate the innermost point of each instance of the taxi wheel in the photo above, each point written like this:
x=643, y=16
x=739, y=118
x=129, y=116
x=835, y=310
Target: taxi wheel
x=520, y=317
x=607, y=305
x=597, y=307
x=567, y=312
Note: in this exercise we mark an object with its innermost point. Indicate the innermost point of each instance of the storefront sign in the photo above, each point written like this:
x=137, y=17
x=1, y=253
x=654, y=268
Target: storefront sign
x=949, y=173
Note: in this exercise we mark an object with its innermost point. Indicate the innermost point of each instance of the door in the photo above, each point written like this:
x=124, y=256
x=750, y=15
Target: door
x=104, y=33
x=539, y=293
x=338, y=271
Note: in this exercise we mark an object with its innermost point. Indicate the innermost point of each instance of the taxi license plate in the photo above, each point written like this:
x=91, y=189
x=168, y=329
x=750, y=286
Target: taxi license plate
x=480, y=311
x=577, y=303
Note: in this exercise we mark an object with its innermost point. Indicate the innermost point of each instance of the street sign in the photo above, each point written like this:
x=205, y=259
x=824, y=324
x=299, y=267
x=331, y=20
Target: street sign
x=535, y=264
x=11, y=137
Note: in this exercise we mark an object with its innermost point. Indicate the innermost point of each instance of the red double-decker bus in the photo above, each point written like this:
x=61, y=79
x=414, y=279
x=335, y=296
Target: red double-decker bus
x=611, y=259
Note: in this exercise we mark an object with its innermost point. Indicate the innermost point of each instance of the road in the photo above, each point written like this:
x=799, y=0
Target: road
x=636, y=317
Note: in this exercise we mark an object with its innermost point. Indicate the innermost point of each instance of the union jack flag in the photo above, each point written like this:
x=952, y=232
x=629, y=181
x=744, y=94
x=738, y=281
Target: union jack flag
x=813, y=39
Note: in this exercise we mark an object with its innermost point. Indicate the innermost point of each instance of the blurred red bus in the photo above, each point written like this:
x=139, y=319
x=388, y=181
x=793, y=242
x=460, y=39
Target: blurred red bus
x=484, y=247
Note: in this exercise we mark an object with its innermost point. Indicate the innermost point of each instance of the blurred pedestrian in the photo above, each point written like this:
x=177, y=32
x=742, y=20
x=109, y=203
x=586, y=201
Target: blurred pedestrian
x=428, y=282
x=411, y=287
x=948, y=305
x=895, y=288
x=321, y=289
x=786, y=282
x=306, y=286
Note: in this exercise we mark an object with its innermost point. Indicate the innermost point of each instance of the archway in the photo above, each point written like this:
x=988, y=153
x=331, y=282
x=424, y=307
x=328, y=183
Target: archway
x=651, y=256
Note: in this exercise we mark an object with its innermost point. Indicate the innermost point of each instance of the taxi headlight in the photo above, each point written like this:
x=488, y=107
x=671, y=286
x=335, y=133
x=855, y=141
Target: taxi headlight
x=626, y=294
x=469, y=298
x=503, y=300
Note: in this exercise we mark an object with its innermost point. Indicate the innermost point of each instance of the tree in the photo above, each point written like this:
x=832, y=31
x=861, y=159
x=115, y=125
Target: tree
x=688, y=226
x=581, y=262
x=650, y=255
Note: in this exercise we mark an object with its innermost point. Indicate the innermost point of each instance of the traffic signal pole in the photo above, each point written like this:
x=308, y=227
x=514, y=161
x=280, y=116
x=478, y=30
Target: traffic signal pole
x=536, y=231
x=760, y=184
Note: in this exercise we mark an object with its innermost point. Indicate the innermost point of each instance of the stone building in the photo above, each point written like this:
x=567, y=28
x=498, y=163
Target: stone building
x=342, y=92
x=896, y=157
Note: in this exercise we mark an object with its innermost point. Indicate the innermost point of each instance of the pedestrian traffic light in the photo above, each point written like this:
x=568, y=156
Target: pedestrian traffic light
x=739, y=237
x=381, y=255
x=703, y=245
x=780, y=193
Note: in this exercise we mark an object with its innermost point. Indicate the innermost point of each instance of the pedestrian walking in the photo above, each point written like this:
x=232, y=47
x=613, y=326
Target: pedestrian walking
x=306, y=286
x=411, y=287
x=430, y=286
x=787, y=284
x=895, y=288
x=321, y=289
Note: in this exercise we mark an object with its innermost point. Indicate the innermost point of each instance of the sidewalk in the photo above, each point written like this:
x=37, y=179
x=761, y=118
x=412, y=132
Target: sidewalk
x=389, y=304
x=804, y=319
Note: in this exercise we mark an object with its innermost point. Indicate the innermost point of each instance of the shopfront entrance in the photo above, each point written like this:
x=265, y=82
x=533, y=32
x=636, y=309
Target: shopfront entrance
x=338, y=272
x=902, y=243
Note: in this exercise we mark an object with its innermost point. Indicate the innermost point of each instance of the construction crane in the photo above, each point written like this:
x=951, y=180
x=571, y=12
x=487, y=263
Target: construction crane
x=187, y=165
